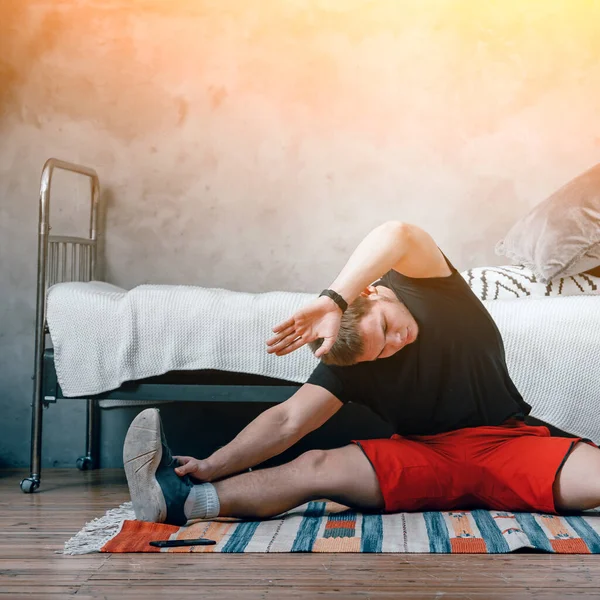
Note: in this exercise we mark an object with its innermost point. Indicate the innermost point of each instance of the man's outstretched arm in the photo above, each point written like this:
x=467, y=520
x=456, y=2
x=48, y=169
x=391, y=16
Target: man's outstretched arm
x=271, y=433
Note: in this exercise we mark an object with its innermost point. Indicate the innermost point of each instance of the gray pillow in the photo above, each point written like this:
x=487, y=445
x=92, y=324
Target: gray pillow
x=561, y=235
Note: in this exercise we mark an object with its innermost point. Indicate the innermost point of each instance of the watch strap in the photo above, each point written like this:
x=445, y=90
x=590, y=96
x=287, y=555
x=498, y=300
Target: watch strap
x=336, y=298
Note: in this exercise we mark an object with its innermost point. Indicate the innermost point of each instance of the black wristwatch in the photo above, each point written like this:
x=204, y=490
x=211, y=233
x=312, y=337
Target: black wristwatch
x=336, y=298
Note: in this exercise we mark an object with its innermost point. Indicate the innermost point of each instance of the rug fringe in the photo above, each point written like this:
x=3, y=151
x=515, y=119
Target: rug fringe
x=99, y=531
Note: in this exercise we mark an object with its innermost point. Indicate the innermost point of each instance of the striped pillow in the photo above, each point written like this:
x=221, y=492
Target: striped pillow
x=509, y=282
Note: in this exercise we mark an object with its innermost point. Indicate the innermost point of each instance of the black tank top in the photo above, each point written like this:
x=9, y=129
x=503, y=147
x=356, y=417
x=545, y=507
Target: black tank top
x=453, y=375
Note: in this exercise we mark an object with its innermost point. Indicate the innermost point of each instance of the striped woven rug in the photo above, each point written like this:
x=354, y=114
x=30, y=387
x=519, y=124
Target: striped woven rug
x=331, y=527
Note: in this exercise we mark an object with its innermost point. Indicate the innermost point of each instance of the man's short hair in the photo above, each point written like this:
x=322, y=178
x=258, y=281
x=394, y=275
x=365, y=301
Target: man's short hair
x=349, y=345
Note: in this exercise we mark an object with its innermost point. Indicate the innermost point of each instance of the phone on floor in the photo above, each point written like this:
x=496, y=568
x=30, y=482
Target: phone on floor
x=176, y=543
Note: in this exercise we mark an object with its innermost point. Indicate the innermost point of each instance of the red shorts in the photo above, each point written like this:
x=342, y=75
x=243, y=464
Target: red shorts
x=508, y=467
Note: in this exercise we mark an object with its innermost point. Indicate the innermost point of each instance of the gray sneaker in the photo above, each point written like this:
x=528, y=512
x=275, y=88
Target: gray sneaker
x=158, y=494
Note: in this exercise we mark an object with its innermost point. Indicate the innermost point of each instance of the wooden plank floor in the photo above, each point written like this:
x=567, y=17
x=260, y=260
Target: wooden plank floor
x=34, y=527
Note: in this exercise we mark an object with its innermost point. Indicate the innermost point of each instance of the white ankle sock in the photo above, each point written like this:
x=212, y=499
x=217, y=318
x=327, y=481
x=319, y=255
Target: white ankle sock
x=202, y=502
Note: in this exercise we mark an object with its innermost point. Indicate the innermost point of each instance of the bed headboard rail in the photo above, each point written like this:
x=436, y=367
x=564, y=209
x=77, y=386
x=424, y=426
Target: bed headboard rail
x=59, y=259
x=70, y=259
x=62, y=258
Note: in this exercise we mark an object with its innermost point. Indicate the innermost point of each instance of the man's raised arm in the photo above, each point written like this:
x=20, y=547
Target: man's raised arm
x=273, y=431
x=393, y=245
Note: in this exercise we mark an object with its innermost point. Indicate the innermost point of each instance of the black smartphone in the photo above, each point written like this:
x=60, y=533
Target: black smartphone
x=176, y=543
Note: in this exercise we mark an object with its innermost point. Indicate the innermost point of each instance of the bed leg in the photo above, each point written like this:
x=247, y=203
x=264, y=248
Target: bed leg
x=90, y=460
x=32, y=483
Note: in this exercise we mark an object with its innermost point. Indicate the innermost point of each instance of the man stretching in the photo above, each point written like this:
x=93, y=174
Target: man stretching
x=420, y=350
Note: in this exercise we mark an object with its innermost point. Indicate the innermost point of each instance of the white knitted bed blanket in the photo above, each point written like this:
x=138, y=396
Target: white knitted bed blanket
x=104, y=335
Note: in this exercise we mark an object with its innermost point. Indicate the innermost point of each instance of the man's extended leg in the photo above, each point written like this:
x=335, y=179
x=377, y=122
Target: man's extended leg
x=577, y=485
x=343, y=475
x=159, y=494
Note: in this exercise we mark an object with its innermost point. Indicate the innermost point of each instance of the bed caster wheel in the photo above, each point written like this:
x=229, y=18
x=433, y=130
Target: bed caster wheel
x=84, y=463
x=29, y=485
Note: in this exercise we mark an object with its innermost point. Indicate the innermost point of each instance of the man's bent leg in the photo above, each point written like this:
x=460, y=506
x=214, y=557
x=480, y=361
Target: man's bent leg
x=577, y=485
x=343, y=475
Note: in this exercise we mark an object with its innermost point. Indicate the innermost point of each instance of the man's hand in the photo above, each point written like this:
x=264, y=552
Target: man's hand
x=197, y=469
x=319, y=319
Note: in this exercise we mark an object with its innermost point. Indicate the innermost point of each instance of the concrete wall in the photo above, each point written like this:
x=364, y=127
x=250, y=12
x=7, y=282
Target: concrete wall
x=251, y=145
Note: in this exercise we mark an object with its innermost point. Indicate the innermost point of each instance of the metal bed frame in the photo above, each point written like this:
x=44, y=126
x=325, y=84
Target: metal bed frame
x=67, y=258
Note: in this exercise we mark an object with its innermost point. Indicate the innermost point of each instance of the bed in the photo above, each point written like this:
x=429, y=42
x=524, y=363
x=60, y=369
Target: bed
x=539, y=323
